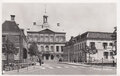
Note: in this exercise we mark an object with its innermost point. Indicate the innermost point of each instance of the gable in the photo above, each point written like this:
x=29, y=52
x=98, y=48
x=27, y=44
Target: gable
x=46, y=31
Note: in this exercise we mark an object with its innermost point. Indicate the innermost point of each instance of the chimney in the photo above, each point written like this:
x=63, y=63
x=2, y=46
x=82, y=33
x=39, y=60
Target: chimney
x=34, y=23
x=12, y=17
x=58, y=24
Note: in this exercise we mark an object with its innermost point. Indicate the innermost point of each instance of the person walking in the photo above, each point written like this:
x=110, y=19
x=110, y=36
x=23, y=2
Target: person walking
x=113, y=63
x=40, y=61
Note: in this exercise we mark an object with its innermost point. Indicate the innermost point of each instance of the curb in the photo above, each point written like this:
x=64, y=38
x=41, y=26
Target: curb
x=90, y=66
x=77, y=65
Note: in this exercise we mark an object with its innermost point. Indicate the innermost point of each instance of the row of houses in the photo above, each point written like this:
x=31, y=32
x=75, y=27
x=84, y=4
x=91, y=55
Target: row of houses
x=90, y=47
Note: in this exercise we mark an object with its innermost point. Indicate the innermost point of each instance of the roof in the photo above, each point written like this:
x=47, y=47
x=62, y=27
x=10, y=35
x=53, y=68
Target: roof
x=90, y=35
x=97, y=35
x=46, y=31
x=10, y=26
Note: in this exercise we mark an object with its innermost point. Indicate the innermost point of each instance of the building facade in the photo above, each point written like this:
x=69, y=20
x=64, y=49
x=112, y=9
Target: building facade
x=11, y=32
x=50, y=43
x=102, y=43
x=73, y=52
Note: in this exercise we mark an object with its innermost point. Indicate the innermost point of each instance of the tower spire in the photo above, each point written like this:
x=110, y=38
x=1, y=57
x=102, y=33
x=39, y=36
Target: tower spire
x=45, y=16
x=45, y=9
x=45, y=19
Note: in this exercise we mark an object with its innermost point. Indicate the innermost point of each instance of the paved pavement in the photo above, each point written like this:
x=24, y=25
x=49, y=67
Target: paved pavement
x=78, y=64
x=62, y=69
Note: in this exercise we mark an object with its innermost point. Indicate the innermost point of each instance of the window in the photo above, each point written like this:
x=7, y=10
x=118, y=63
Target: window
x=61, y=48
x=111, y=55
x=52, y=57
x=57, y=39
x=105, y=45
x=80, y=46
x=3, y=48
x=57, y=48
x=3, y=38
x=47, y=56
x=61, y=39
x=110, y=44
x=47, y=48
x=106, y=55
x=52, y=48
x=51, y=39
x=35, y=38
x=42, y=48
x=92, y=45
x=46, y=38
x=41, y=38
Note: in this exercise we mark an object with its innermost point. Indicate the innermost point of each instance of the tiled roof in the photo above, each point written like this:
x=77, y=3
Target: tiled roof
x=98, y=35
x=10, y=26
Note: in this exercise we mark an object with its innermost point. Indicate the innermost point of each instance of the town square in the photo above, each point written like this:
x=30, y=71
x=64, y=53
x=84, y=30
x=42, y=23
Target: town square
x=59, y=39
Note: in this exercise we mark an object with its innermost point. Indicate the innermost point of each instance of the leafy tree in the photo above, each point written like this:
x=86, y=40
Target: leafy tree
x=9, y=48
x=114, y=37
x=90, y=50
x=33, y=49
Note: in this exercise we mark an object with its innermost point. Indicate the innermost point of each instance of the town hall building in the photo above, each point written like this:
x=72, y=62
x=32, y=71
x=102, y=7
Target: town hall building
x=50, y=43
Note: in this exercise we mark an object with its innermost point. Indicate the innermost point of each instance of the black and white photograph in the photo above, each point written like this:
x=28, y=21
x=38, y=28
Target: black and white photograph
x=59, y=38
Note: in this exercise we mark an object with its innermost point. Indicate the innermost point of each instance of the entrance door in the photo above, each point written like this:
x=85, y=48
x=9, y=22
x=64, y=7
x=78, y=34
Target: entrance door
x=52, y=57
x=47, y=56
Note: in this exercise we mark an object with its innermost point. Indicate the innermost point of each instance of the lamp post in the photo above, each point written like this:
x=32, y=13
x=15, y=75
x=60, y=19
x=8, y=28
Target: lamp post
x=68, y=55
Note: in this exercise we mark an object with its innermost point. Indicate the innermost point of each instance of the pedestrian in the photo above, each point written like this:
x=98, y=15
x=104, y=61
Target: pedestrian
x=40, y=61
x=113, y=63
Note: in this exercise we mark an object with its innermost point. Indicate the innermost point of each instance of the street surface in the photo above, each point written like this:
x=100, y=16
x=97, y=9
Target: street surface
x=62, y=69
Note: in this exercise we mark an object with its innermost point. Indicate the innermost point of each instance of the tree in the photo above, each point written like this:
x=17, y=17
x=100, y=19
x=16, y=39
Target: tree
x=33, y=49
x=114, y=37
x=90, y=50
x=9, y=48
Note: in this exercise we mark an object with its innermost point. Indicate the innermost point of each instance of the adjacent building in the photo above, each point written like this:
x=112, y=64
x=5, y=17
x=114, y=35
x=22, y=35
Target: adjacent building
x=101, y=41
x=12, y=32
